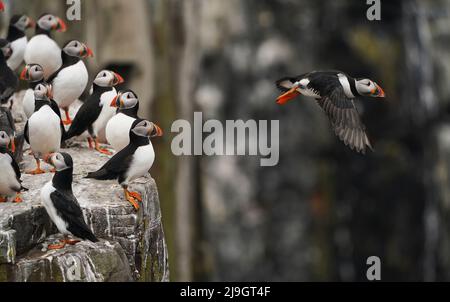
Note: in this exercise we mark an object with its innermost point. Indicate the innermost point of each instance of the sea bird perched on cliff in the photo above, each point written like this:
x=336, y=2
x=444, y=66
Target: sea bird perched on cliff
x=44, y=130
x=71, y=79
x=16, y=36
x=61, y=205
x=8, y=79
x=42, y=49
x=132, y=162
x=10, y=183
x=95, y=113
x=118, y=127
x=34, y=74
x=334, y=92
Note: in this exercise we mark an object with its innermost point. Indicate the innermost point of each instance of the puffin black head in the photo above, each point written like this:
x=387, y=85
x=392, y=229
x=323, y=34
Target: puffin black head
x=125, y=99
x=7, y=142
x=43, y=92
x=50, y=22
x=5, y=46
x=75, y=48
x=61, y=161
x=366, y=87
x=22, y=22
x=108, y=78
x=32, y=73
x=144, y=128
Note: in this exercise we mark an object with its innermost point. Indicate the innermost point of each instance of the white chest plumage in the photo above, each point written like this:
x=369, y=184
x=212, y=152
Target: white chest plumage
x=343, y=79
x=51, y=210
x=44, y=131
x=118, y=129
x=143, y=159
x=18, y=52
x=107, y=111
x=28, y=102
x=44, y=51
x=69, y=84
x=8, y=181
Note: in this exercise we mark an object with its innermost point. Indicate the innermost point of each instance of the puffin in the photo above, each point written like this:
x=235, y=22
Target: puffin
x=34, y=74
x=61, y=205
x=94, y=114
x=335, y=92
x=118, y=127
x=71, y=79
x=8, y=79
x=10, y=183
x=16, y=36
x=42, y=49
x=44, y=130
x=132, y=162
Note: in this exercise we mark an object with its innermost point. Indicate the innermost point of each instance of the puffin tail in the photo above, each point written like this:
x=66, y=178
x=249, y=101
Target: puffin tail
x=101, y=174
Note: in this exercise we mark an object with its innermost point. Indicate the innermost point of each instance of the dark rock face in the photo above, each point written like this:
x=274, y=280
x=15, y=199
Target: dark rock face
x=132, y=245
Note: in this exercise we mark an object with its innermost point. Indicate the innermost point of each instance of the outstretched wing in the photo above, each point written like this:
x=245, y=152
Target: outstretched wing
x=345, y=120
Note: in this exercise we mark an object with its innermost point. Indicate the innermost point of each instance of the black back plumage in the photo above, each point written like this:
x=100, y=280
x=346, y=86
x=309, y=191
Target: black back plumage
x=8, y=79
x=66, y=204
x=13, y=32
x=88, y=113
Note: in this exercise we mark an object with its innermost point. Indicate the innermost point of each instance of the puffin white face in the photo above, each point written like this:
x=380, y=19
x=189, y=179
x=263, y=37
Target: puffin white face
x=49, y=22
x=32, y=73
x=75, y=48
x=125, y=100
x=43, y=91
x=61, y=161
x=108, y=78
x=22, y=22
x=147, y=129
x=368, y=87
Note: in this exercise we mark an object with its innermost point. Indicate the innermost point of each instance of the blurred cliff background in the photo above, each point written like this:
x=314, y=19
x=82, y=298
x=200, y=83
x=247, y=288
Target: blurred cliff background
x=324, y=209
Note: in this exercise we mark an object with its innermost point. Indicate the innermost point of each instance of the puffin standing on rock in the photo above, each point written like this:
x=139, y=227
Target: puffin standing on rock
x=95, y=113
x=34, y=74
x=61, y=205
x=42, y=49
x=334, y=92
x=132, y=162
x=10, y=183
x=118, y=127
x=44, y=130
x=8, y=79
x=16, y=36
x=71, y=79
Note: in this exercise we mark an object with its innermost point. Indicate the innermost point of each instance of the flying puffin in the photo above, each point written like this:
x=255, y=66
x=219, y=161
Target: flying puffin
x=96, y=111
x=8, y=79
x=34, y=74
x=10, y=183
x=44, y=130
x=60, y=203
x=132, y=162
x=16, y=36
x=118, y=127
x=334, y=91
x=42, y=49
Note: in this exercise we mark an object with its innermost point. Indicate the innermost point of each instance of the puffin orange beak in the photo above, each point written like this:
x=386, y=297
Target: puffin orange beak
x=13, y=145
x=118, y=79
x=60, y=26
x=87, y=52
x=2, y=6
x=157, y=131
x=48, y=158
x=50, y=92
x=30, y=23
x=378, y=92
x=287, y=96
x=114, y=102
x=24, y=74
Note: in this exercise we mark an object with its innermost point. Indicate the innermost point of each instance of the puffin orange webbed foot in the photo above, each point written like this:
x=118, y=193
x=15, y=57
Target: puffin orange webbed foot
x=18, y=199
x=103, y=151
x=36, y=172
x=3, y=199
x=56, y=246
x=71, y=241
x=136, y=196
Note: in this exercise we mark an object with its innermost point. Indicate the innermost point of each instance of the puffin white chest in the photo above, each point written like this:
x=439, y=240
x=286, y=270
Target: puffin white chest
x=44, y=51
x=118, y=129
x=50, y=208
x=69, y=84
x=343, y=79
x=143, y=159
x=18, y=52
x=28, y=102
x=107, y=111
x=8, y=181
x=44, y=131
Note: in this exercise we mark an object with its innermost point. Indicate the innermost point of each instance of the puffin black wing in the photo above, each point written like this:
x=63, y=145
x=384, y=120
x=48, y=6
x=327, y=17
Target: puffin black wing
x=68, y=209
x=345, y=120
x=116, y=167
x=86, y=116
x=26, y=134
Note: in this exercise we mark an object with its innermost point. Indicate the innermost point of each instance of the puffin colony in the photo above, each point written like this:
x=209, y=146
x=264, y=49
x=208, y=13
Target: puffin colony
x=56, y=79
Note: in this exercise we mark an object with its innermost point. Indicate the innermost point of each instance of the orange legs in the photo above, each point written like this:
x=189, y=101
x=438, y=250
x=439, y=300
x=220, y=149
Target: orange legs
x=18, y=198
x=63, y=243
x=3, y=199
x=68, y=120
x=132, y=197
x=38, y=170
x=90, y=142
x=101, y=150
